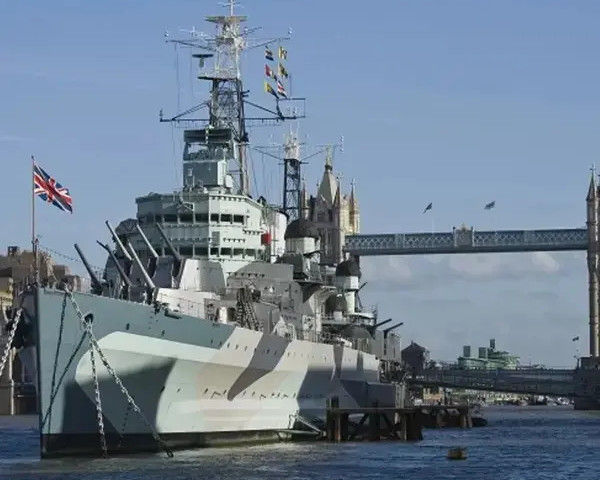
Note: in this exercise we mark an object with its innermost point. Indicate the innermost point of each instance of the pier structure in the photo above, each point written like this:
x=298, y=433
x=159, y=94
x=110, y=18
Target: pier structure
x=375, y=423
x=462, y=240
x=392, y=423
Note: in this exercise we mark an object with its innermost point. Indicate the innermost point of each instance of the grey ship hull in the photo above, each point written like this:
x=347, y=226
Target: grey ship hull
x=198, y=382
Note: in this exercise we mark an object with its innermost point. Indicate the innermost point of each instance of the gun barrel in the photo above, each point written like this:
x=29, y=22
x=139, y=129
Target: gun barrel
x=174, y=253
x=145, y=239
x=117, y=240
x=122, y=273
x=137, y=260
x=377, y=325
x=96, y=284
x=389, y=329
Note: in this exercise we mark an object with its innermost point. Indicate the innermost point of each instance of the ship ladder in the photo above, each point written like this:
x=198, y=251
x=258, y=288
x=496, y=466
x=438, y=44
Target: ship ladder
x=245, y=315
x=304, y=421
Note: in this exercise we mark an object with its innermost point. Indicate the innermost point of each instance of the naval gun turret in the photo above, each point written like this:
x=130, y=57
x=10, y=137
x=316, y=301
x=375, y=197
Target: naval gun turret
x=302, y=250
x=347, y=276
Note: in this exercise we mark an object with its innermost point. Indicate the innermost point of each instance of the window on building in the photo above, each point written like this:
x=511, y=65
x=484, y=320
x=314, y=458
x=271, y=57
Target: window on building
x=225, y=217
x=238, y=251
x=238, y=219
x=187, y=250
x=186, y=218
x=170, y=218
x=202, y=217
x=201, y=251
x=226, y=251
x=214, y=251
x=214, y=217
x=249, y=252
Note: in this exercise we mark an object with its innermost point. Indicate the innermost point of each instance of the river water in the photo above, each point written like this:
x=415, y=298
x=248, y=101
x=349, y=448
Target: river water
x=520, y=443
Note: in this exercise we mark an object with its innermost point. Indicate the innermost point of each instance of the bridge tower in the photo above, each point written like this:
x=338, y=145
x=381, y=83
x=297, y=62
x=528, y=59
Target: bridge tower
x=592, y=257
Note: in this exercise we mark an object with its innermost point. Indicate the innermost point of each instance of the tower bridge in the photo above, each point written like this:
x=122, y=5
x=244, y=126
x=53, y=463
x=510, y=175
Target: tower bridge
x=467, y=240
x=582, y=383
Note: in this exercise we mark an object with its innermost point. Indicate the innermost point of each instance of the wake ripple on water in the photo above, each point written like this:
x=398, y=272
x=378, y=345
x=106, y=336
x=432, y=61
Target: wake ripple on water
x=520, y=443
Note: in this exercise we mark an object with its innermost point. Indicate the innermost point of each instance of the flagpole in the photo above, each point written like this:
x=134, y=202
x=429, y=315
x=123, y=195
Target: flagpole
x=36, y=269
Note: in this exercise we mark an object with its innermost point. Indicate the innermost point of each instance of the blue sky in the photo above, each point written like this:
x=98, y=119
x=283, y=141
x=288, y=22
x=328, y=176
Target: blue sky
x=456, y=103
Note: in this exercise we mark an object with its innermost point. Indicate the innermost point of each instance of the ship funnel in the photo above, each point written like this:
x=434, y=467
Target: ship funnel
x=174, y=253
x=117, y=241
x=122, y=273
x=96, y=283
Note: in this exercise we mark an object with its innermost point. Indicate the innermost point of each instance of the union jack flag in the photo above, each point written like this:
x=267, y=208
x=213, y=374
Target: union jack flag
x=49, y=190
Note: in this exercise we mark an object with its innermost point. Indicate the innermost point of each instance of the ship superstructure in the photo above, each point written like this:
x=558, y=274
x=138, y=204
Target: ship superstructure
x=223, y=319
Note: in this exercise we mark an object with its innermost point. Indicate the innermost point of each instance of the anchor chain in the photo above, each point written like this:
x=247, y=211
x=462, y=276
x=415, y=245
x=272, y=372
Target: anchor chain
x=88, y=326
x=54, y=393
x=131, y=402
x=9, y=340
x=125, y=419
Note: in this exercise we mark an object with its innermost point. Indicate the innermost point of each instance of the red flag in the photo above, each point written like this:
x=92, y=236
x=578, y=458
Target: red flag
x=269, y=72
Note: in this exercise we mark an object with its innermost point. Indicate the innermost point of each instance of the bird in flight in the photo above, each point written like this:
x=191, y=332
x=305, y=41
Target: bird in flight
x=489, y=206
x=428, y=207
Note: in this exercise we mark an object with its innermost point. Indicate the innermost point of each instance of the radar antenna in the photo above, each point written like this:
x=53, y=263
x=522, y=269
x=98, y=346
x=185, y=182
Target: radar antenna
x=227, y=100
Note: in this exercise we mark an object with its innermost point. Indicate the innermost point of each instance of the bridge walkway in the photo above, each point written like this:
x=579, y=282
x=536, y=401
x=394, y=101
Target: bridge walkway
x=555, y=382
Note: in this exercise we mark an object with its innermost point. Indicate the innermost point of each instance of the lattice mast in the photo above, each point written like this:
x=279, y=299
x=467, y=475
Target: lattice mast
x=226, y=104
x=292, y=177
x=226, y=117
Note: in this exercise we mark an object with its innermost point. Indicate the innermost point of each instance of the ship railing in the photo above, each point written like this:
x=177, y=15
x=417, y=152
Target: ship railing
x=331, y=320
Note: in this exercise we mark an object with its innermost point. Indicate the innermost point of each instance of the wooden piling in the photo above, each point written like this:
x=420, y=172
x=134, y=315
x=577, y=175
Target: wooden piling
x=383, y=422
x=405, y=424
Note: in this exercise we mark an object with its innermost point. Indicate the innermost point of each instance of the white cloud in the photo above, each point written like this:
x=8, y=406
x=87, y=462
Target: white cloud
x=475, y=265
x=546, y=262
x=503, y=265
x=392, y=270
x=419, y=273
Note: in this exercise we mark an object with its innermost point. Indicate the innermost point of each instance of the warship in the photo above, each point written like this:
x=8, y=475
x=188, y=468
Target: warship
x=218, y=318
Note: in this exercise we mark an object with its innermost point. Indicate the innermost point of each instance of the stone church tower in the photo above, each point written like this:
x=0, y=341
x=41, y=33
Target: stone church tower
x=334, y=214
